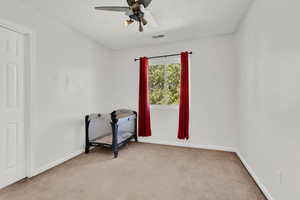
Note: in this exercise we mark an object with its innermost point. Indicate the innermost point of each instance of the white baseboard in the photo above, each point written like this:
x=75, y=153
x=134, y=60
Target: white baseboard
x=187, y=144
x=12, y=181
x=255, y=177
x=46, y=167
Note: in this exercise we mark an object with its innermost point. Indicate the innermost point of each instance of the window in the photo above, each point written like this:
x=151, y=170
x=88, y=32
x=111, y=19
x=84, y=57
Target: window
x=164, y=84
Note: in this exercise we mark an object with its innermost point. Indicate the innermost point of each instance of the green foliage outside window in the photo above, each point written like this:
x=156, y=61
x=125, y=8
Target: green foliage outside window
x=164, y=84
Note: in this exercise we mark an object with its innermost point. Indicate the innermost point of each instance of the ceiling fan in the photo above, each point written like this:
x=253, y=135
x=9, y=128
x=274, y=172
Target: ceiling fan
x=134, y=11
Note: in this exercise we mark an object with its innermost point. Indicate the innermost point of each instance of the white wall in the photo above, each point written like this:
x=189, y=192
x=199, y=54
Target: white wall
x=213, y=92
x=69, y=80
x=269, y=46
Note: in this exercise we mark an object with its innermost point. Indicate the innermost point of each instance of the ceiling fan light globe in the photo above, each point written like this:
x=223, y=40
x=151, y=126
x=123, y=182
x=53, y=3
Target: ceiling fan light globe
x=144, y=21
x=128, y=22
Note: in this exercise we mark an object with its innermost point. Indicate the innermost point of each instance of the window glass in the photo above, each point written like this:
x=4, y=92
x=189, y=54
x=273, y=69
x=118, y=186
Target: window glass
x=164, y=84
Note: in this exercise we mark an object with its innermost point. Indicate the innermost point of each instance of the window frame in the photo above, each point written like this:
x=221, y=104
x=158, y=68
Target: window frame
x=164, y=107
x=165, y=62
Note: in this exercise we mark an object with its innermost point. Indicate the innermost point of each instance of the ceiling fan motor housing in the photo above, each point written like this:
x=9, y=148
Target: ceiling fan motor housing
x=137, y=16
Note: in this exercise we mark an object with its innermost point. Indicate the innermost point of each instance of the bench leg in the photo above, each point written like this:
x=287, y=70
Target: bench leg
x=116, y=153
x=136, y=138
x=87, y=149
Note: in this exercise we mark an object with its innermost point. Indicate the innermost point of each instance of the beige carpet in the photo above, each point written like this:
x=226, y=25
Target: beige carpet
x=142, y=172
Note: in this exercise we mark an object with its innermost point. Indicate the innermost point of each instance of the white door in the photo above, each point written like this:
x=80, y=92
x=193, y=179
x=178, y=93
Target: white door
x=12, y=138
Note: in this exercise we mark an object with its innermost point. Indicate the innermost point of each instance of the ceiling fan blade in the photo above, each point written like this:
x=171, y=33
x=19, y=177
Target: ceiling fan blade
x=150, y=18
x=113, y=8
x=130, y=2
x=145, y=3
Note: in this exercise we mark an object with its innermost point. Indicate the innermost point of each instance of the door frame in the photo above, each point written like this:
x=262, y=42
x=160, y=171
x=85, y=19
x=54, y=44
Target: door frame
x=29, y=66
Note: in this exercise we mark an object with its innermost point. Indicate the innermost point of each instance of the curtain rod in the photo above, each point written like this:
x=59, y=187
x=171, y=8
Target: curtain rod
x=163, y=56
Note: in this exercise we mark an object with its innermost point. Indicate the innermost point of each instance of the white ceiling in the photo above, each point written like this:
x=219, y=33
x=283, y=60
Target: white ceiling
x=177, y=19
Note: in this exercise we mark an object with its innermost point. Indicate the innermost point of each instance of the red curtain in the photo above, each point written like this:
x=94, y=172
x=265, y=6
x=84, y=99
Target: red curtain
x=184, y=107
x=144, y=128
